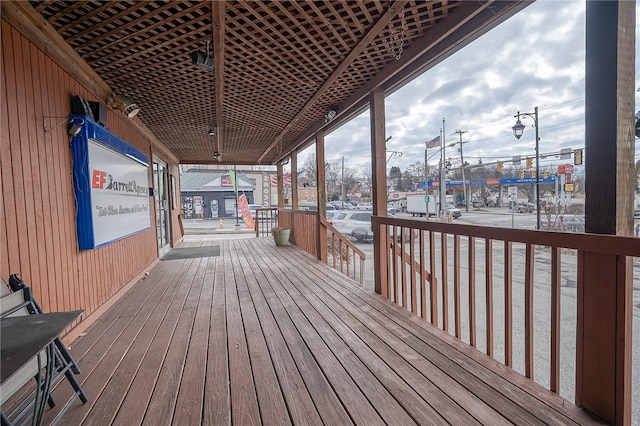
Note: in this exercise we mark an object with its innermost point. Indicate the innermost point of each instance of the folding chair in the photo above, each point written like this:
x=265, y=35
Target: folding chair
x=22, y=302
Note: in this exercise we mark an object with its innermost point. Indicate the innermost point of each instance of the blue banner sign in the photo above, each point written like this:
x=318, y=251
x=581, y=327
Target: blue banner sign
x=491, y=182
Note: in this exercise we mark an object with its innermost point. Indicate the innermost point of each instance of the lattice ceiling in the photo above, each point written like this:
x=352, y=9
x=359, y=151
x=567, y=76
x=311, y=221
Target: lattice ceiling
x=284, y=63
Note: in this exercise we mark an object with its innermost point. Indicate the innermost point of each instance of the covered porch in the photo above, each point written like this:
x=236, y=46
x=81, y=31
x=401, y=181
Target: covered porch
x=270, y=335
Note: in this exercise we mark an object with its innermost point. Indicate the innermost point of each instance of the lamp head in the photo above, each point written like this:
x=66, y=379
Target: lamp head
x=518, y=129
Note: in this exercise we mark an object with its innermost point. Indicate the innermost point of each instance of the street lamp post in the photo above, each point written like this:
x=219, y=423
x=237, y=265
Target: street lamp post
x=518, y=130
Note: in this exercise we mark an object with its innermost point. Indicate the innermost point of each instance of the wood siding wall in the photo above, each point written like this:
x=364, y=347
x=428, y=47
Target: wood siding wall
x=38, y=236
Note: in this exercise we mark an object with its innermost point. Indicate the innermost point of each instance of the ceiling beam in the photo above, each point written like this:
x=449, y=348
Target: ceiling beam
x=218, y=12
x=373, y=32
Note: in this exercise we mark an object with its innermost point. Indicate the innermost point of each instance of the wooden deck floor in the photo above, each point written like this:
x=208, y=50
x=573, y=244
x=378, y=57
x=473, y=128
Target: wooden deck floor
x=268, y=335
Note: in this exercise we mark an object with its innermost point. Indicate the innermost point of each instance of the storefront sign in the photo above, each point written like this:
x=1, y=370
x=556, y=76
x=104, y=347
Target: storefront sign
x=111, y=182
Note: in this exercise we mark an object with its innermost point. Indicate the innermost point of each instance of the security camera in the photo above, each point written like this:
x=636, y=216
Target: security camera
x=74, y=130
x=217, y=156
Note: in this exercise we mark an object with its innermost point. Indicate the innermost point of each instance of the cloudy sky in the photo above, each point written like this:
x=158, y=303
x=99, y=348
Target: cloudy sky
x=536, y=59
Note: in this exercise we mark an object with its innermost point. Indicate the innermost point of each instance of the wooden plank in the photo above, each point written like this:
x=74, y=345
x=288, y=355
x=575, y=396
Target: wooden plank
x=472, y=290
x=106, y=406
x=189, y=404
x=90, y=350
x=423, y=277
x=426, y=379
x=529, y=396
x=456, y=286
x=51, y=220
x=556, y=275
x=273, y=409
x=372, y=334
x=444, y=273
x=324, y=398
x=9, y=237
x=217, y=406
x=292, y=385
x=162, y=404
x=344, y=369
x=244, y=402
x=508, y=304
x=528, y=310
x=488, y=267
x=133, y=408
x=433, y=282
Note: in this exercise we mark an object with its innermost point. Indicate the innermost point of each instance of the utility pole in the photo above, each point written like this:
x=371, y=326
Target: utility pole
x=443, y=183
x=464, y=183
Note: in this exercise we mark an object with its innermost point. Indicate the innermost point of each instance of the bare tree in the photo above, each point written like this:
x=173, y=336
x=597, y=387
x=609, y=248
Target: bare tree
x=310, y=168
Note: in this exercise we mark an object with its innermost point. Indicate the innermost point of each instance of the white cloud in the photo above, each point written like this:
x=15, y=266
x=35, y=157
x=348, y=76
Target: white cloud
x=536, y=58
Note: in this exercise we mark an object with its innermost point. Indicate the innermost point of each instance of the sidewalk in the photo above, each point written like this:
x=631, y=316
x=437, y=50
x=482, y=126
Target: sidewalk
x=215, y=227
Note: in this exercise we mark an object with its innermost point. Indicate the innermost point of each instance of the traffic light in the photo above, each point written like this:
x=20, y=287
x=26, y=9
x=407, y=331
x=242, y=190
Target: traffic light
x=533, y=174
x=545, y=174
x=529, y=163
x=521, y=174
x=577, y=157
x=500, y=166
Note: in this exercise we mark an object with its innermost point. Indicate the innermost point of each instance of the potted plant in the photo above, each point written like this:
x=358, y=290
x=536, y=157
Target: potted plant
x=281, y=236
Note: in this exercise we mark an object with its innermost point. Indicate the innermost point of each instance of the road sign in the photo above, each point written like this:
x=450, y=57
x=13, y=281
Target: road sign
x=568, y=187
x=513, y=193
x=569, y=169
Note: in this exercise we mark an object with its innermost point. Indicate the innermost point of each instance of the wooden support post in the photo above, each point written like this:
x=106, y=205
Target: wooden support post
x=379, y=190
x=294, y=180
x=322, y=195
x=603, y=363
x=280, y=186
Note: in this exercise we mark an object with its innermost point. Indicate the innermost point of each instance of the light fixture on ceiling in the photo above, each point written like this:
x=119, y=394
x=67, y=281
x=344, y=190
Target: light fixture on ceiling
x=202, y=59
x=124, y=105
x=330, y=114
x=212, y=130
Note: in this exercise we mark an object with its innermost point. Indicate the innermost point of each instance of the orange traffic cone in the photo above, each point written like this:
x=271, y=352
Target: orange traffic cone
x=221, y=224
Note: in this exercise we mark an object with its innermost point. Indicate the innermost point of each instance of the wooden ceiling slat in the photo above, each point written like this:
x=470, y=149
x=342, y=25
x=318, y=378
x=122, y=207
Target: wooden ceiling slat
x=278, y=65
x=284, y=53
x=373, y=32
x=301, y=28
x=126, y=11
x=75, y=23
x=68, y=9
x=332, y=28
x=138, y=22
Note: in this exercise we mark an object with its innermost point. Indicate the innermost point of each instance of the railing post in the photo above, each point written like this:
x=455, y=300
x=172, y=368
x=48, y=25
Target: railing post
x=322, y=197
x=605, y=285
x=379, y=189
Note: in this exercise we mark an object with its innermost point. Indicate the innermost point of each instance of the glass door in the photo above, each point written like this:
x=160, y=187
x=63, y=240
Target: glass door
x=161, y=196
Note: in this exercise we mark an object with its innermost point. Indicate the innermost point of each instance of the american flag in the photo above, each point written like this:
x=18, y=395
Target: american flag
x=286, y=179
x=433, y=143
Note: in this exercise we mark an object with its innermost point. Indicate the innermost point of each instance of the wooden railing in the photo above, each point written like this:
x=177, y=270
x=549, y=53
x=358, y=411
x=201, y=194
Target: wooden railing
x=304, y=228
x=338, y=251
x=501, y=291
x=342, y=253
x=265, y=220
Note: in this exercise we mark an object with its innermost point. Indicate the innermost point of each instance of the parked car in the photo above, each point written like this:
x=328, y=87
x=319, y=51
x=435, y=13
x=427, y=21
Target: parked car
x=453, y=210
x=353, y=224
x=636, y=213
x=365, y=206
x=525, y=207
